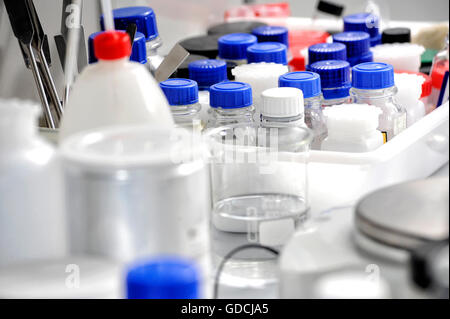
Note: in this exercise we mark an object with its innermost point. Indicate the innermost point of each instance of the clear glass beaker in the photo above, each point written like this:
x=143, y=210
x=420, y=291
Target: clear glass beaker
x=259, y=180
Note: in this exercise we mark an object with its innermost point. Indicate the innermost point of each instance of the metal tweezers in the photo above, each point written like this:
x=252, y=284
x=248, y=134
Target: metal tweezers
x=36, y=53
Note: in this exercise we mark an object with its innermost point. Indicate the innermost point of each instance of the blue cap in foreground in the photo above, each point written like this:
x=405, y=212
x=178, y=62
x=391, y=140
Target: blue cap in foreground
x=308, y=82
x=230, y=95
x=373, y=76
x=163, y=278
x=180, y=91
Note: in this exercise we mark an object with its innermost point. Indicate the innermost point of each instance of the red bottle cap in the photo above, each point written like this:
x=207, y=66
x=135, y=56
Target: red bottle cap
x=112, y=45
x=426, y=86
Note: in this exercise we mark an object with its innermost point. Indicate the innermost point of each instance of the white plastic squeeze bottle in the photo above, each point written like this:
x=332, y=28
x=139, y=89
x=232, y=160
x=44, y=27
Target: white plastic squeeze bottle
x=32, y=220
x=114, y=91
x=409, y=91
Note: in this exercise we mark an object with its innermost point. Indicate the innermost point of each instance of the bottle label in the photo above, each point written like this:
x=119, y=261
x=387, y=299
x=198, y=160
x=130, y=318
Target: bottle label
x=384, y=137
x=399, y=124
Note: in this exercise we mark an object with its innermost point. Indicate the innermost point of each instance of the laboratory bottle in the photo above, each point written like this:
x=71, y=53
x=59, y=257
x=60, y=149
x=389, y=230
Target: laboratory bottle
x=358, y=46
x=282, y=107
x=231, y=103
x=114, y=91
x=138, y=51
x=182, y=95
x=409, y=92
x=365, y=22
x=207, y=72
x=169, y=277
x=309, y=84
x=272, y=34
x=373, y=83
x=327, y=51
x=439, y=71
x=32, y=220
x=267, y=52
x=335, y=81
x=352, y=128
x=235, y=27
x=145, y=20
x=183, y=70
x=261, y=76
x=396, y=35
x=426, y=89
x=233, y=47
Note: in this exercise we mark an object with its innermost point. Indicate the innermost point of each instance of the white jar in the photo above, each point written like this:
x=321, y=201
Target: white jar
x=32, y=223
x=114, y=91
x=402, y=56
x=352, y=128
x=282, y=107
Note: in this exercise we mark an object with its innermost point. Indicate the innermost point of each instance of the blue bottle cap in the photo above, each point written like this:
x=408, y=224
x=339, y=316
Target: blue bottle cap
x=230, y=95
x=327, y=51
x=143, y=17
x=138, y=52
x=208, y=72
x=334, y=74
x=234, y=46
x=163, y=278
x=357, y=43
x=267, y=52
x=308, y=82
x=368, y=57
x=372, y=76
x=366, y=22
x=180, y=91
x=272, y=34
x=375, y=40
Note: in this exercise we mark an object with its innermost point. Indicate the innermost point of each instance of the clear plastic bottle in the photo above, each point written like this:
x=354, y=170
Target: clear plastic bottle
x=352, y=128
x=32, y=222
x=206, y=73
x=233, y=47
x=145, y=20
x=358, y=46
x=114, y=91
x=373, y=83
x=335, y=81
x=231, y=103
x=309, y=84
x=182, y=95
x=282, y=107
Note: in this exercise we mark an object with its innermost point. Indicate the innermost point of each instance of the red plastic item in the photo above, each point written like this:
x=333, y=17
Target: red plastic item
x=268, y=10
x=112, y=45
x=438, y=73
x=426, y=86
x=300, y=39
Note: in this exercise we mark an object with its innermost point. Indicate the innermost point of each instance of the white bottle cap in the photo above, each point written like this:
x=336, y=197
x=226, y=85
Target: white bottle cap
x=409, y=88
x=282, y=102
x=352, y=118
x=402, y=56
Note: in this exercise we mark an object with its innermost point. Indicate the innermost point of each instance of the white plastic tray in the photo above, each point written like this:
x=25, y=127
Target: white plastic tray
x=340, y=179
